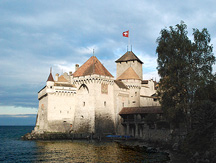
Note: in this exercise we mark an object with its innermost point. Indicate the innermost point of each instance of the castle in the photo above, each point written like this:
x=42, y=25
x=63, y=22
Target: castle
x=91, y=100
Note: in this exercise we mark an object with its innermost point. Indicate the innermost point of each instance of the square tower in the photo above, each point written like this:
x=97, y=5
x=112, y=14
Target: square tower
x=129, y=59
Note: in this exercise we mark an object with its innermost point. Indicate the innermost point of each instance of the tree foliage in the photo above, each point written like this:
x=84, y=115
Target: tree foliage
x=185, y=67
x=201, y=137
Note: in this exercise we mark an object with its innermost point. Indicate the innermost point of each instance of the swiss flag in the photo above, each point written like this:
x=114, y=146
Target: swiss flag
x=125, y=34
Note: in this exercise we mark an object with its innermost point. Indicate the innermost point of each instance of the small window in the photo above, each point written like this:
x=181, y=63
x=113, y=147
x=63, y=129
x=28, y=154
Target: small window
x=50, y=86
x=60, y=111
x=83, y=103
x=123, y=104
x=135, y=93
x=104, y=103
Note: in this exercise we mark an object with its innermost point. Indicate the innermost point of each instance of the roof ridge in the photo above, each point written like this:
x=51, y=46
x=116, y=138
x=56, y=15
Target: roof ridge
x=128, y=56
x=92, y=66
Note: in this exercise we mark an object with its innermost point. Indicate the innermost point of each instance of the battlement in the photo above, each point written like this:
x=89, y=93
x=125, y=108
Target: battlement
x=132, y=83
x=93, y=79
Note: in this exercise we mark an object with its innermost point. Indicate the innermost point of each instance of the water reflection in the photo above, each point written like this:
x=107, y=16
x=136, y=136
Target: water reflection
x=84, y=151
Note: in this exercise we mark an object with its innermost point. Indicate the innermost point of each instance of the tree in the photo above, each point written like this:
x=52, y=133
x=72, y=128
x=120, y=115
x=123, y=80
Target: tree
x=201, y=137
x=184, y=66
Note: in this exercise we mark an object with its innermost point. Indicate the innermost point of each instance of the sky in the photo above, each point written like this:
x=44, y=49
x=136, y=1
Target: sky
x=37, y=35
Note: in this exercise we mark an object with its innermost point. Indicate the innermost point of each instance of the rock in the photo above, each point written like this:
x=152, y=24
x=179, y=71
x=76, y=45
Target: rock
x=175, y=146
x=207, y=155
x=151, y=150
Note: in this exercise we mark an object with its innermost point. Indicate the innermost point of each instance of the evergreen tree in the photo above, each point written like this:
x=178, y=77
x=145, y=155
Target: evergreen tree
x=185, y=67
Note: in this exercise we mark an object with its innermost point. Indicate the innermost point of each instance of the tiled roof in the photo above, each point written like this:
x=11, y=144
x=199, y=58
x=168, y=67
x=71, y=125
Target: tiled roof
x=92, y=66
x=129, y=56
x=120, y=84
x=129, y=74
x=50, y=78
x=141, y=110
x=62, y=79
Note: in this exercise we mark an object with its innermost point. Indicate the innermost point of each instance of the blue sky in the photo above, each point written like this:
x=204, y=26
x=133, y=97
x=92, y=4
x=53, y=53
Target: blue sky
x=37, y=35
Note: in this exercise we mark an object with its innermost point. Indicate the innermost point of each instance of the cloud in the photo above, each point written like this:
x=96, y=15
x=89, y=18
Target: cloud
x=61, y=34
x=18, y=115
x=18, y=119
x=11, y=110
x=86, y=50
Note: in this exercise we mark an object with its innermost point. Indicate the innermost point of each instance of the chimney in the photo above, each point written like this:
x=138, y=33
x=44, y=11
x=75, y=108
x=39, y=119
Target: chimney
x=56, y=77
x=70, y=73
x=76, y=67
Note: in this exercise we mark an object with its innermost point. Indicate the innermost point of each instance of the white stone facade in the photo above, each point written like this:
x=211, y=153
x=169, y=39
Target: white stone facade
x=91, y=103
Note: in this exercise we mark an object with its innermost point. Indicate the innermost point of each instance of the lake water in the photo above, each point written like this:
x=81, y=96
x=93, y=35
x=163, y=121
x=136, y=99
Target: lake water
x=13, y=149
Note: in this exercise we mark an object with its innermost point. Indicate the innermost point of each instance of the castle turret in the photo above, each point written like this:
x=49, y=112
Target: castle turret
x=129, y=59
x=50, y=82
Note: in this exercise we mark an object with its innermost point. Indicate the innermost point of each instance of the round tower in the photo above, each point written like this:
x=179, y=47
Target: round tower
x=50, y=81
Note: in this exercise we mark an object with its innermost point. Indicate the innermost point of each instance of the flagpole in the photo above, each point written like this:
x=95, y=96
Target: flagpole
x=128, y=39
x=126, y=34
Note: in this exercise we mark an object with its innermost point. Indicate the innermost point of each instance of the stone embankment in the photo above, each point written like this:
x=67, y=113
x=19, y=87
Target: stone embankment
x=69, y=136
x=46, y=136
x=56, y=136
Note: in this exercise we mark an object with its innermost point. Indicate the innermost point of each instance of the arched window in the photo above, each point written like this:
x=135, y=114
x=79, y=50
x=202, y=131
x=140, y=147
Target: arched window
x=83, y=89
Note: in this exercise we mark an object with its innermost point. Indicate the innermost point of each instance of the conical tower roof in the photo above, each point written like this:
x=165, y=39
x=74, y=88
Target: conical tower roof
x=129, y=74
x=128, y=56
x=92, y=66
x=50, y=78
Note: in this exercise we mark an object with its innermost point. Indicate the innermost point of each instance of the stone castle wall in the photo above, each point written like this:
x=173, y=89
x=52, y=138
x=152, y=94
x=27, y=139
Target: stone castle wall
x=41, y=122
x=95, y=107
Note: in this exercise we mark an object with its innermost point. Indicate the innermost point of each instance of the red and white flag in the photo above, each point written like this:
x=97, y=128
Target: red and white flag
x=125, y=34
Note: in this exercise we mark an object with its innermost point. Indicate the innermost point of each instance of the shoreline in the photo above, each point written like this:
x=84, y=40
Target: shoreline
x=174, y=156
